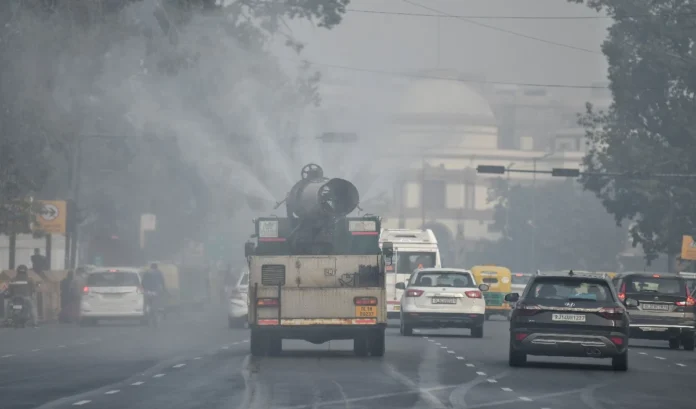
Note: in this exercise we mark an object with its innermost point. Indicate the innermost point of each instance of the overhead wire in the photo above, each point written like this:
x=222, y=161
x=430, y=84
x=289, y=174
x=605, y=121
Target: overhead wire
x=502, y=30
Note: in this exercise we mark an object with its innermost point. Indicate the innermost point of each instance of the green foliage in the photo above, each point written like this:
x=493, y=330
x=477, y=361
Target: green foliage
x=564, y=226
x=650, y=127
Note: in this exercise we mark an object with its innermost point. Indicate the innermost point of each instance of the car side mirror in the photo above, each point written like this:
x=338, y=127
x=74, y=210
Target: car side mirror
x=388, y=252
x=512, y=297
x=630, y=302
x=400, y=286
x=484, y=287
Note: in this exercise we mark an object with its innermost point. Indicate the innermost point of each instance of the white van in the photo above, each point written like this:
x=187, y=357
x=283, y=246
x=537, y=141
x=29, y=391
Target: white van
x=413, y=249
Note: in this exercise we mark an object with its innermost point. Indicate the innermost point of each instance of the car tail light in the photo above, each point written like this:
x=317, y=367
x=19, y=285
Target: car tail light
x=414, y=293
x=622, y=292
x=690, y=302
x=520, y=336
x=527, y=309
x=474, y=294
x=85, y=290
x=612, y=313
x=267, y=302
x=365, y=301
x=617, y=340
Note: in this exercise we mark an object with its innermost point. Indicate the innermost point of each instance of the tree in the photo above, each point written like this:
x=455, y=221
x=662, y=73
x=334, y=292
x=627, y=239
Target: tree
x=202, y=74
x=558, y=222
x=650, y=126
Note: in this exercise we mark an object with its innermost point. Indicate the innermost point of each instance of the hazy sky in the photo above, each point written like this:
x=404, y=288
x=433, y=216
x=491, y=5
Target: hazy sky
x=409, y=43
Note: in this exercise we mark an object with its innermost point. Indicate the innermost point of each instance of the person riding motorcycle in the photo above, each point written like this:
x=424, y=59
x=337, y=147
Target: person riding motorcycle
x=24, y=288
x=154, y=286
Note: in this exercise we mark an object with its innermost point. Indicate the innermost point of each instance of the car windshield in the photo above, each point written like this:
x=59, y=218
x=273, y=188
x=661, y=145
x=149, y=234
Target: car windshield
x=109, y=279
x=565, y=289
x=656, y=285
x=443, y=279
x=520, y=279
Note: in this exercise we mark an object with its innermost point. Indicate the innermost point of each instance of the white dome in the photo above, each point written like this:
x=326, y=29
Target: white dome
x=442, y=96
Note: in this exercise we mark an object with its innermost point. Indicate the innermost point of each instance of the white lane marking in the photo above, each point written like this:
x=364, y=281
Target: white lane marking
x=643, y=353
x=137, y=383
x=426, y=395
x=460, y=357
x=159, y=375
x=431, y=340
x=470, y=365
x=659, y=357
x=7, y=356
x=443, y=347
x=196, y=358
x=236, y=343
x=178, y=365
x=526, y=399
x=481, y=373
x=507, y=389
x=246, y=340
x=61, y=346
x=225, y=347
x=112, y=392
x=82, y=402
x=681, y=365
x=450, y=352
x=36, y=350
x=424, y=337
x=492, y=381
x=437, y=343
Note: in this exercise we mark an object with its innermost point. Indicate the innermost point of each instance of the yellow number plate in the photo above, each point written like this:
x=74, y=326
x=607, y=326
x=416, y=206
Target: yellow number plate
x=397, y=308
x=362, y=311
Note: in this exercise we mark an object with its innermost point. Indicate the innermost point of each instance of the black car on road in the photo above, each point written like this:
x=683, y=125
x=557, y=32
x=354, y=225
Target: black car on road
x=571, y=315
x=666, y=311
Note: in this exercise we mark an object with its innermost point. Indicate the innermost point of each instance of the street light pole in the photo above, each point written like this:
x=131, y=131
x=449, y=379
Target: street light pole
x=534, y=223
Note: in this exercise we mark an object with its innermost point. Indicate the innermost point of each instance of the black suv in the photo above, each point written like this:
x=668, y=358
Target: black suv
x=666, y=311
x=569, y=314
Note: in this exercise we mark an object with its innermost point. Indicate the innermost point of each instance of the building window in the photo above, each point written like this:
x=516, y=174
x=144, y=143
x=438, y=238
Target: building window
x=434, y=194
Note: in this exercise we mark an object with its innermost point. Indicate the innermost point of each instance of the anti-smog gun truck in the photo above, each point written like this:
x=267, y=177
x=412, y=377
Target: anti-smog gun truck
x=316, y=274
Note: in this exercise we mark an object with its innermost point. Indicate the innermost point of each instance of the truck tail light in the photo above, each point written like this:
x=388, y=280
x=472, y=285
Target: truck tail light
x=267, y=302
x=365, y=301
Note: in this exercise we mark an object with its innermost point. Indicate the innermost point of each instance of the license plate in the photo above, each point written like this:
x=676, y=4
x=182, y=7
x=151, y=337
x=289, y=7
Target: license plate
x=568, y=317
x=17, y=307
x=397, y=308
x=362, y=311
x=655, y=307
x=444, y=300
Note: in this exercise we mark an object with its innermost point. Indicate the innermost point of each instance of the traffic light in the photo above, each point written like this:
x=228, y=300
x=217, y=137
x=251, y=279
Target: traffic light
x=496, y=170
x=565, y=172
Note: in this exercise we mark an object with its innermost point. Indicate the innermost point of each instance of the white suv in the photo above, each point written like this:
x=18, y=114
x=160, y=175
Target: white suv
x=238, y=306
x=442, y=298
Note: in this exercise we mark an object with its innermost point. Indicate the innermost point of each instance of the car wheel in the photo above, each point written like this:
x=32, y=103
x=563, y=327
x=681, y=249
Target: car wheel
x=516, y=359
x=405, y=329
x=620, y=362
x=377, y=343
x=477, y=332
x=689, y=343
x=360, y=345
x=674, y=343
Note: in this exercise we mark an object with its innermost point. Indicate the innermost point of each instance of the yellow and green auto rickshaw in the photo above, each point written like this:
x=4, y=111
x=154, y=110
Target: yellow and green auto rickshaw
x=499, y=279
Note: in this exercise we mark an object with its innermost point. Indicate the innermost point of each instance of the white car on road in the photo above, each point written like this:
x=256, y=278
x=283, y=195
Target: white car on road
x=238, y=304
x=110, y=293
x=442, y=298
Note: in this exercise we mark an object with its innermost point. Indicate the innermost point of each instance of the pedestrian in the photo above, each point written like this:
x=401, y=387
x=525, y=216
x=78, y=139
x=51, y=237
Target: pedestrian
x=67, y=298
x=39, y=263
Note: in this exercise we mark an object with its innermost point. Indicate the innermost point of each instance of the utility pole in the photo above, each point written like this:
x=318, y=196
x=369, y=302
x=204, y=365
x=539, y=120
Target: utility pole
x=423, y=219
x=534, y=219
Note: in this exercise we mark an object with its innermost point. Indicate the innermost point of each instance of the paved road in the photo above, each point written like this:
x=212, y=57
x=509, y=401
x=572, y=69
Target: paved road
x=200, y=364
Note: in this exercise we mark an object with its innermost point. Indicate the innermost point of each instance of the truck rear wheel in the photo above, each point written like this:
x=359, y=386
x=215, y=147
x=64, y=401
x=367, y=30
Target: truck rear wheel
x=259, y=343
x=275, y=345
x=360, y=345
x=377, y=343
